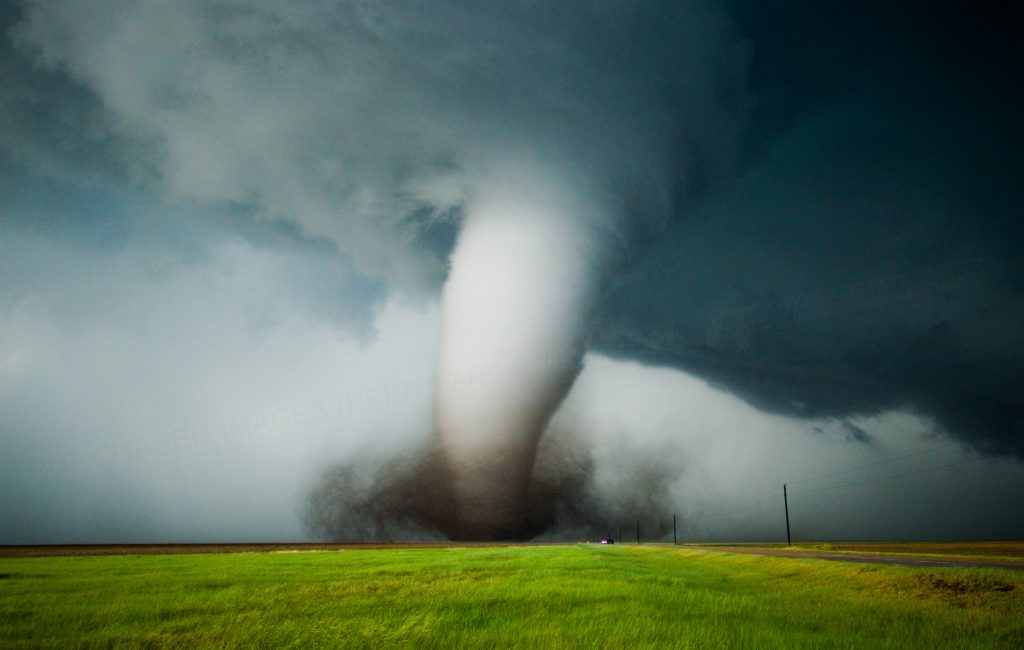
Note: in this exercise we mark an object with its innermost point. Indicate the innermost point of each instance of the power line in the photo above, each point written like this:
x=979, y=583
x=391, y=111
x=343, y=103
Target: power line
x=764, y=491
x=891, y=476
x=874, y=464
x=756, y=498
x=757, y=501
x=751, y=504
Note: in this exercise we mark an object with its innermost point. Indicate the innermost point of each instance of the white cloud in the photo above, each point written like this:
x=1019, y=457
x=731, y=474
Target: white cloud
x=196, y=403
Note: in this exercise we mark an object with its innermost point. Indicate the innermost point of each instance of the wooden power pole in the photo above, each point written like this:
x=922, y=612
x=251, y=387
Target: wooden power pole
x=785, y=501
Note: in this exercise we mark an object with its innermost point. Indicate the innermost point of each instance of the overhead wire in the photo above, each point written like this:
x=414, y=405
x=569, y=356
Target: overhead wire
x=890, y=476
x=874, y=464
x=756, y=499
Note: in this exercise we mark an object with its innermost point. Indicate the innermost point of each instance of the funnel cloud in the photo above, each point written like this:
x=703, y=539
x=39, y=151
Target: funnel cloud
x=524, y=274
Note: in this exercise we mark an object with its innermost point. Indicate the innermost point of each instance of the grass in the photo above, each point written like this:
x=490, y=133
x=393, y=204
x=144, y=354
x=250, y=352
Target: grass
x=527, y=596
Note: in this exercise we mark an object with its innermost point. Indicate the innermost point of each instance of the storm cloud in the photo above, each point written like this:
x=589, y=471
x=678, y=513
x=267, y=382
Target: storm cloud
x=869, y=255
x=227, y=228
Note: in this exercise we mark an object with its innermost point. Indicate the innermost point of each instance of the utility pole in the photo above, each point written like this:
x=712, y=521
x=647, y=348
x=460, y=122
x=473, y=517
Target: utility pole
x=674, y=542
x=785, y=501
x=637, y=531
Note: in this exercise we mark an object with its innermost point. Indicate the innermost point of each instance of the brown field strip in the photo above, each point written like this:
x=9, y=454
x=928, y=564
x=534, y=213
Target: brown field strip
x=996, y=555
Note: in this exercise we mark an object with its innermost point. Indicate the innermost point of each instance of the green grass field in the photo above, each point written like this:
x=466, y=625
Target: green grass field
x=524, y=596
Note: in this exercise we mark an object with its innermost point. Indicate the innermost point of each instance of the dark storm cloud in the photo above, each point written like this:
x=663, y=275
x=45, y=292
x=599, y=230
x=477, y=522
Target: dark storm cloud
x=370, y=126
x=54, y=126
x=869, y=256
x=821, y=203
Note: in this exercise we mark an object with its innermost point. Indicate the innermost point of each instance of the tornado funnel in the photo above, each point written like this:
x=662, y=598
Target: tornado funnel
x=521, y=283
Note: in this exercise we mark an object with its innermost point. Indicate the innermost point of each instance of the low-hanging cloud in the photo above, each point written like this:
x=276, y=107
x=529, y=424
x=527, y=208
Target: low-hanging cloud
x=826, y=227
x=367, y=123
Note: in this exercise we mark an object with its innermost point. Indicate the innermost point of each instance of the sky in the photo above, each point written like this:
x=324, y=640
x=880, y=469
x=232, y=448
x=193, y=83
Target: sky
x=353, y=270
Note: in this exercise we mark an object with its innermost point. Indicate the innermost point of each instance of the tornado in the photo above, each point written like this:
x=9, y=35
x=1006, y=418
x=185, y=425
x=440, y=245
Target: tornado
x=523, y=277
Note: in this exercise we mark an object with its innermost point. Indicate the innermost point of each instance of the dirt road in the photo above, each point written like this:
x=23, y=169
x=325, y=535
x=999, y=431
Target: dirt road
x=903, y=560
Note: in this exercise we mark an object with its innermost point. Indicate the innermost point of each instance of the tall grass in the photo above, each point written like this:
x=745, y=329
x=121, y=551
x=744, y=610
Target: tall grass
x=561, y=596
